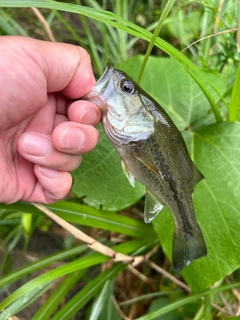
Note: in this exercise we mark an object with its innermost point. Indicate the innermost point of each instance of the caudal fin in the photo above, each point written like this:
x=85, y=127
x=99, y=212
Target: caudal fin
x=186, y=248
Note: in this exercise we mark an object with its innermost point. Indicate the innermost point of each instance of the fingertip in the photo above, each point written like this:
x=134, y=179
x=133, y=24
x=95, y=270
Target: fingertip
x=74, y=138
x=84, y=112
x=55, y=184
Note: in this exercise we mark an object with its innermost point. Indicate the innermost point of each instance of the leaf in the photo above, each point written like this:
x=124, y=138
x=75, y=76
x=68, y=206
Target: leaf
x=173, y=88
x=216, y=153
x=100, y=179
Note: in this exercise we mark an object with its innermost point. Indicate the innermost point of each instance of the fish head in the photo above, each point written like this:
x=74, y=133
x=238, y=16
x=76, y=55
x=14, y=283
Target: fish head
x=113, y=89
x=125, y=114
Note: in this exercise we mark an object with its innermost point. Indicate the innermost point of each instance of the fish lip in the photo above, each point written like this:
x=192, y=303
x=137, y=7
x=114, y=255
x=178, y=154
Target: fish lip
x=96, y=95
x=102, y=83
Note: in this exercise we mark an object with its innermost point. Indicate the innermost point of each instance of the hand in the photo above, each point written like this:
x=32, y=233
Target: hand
x=43, y=131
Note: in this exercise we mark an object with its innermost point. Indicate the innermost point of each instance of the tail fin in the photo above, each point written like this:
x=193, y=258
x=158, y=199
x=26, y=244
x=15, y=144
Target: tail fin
x=186, y=248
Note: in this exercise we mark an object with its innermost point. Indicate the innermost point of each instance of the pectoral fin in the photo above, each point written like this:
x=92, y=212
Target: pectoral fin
x=149, y=164
x=128, y=174
x=152, y=208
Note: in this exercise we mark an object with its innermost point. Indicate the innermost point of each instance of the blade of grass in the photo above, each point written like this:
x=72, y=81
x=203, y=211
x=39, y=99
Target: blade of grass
x=88, y=216
x=76, y=265
x=162, y=18
x=24, y=301
x=9, y=25
x=235, y=98
x=99, y=302
x=121, y=9
x=90, y=290
x=32, y=267
x=211, y=101
x=94, y=53
x=57, y=295
x=193, y=298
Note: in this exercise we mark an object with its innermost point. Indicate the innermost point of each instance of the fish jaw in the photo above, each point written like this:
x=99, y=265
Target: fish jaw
x=100, y=91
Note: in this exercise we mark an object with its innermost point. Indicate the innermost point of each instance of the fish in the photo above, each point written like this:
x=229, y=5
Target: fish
x=152, y=151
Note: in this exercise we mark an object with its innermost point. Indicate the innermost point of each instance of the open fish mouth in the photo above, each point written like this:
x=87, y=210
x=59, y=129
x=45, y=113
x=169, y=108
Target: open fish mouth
x=99, y=90
x=102, y=83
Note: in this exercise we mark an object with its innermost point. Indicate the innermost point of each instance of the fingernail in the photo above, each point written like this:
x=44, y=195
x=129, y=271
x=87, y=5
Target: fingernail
x=89, y=116
x=72, y=138
x=49, y=173
x=37, y=145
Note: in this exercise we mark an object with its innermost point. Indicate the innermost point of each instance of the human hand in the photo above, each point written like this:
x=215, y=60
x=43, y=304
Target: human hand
x=43, y=131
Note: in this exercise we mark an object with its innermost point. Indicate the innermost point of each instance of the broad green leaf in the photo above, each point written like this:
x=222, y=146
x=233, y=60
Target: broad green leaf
x=100, y=179
x=216, y=152
x=173, y=88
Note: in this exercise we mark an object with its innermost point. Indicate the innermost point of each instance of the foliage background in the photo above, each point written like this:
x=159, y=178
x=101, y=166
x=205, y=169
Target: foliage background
x=199, y=88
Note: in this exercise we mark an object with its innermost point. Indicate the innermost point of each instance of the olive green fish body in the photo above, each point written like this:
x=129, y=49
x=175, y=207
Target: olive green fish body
x=152, y=151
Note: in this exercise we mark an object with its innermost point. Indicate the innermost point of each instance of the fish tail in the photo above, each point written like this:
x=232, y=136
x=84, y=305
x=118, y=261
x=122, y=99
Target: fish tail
x=186, y=248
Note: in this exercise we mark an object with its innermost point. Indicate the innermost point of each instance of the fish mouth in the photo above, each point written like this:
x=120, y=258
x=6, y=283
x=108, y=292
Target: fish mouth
x=102, y=83
x=96, y=95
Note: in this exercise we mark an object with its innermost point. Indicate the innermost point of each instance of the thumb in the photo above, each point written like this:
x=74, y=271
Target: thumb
x=30, y=69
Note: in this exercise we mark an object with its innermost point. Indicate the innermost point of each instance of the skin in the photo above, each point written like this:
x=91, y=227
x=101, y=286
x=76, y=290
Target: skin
x=43, y=130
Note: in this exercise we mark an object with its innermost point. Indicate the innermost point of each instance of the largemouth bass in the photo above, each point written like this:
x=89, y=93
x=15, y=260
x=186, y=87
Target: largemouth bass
x=152, y=151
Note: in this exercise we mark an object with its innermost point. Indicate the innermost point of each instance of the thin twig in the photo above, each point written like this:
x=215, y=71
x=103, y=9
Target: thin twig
x=150, y=253
x=138, y=273
x=237, y=295
x=44, y=23
x=118, y=309
x=226, y=304
x=225, y=312
x=92, y=243
x=168, y=275
x=210, y=36
x=235, y=291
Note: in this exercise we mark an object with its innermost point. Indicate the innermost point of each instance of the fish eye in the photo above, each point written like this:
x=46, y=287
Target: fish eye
x=127, y=86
